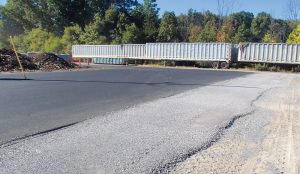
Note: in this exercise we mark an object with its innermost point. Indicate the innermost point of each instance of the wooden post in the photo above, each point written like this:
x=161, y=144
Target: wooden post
x=15, y=50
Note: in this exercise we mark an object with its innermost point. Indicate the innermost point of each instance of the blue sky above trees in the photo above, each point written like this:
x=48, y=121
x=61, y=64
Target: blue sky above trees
x=277, y=8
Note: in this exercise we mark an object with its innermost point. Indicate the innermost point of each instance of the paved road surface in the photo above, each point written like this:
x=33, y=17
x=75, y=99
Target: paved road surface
x=219, y=126
x=52, y=100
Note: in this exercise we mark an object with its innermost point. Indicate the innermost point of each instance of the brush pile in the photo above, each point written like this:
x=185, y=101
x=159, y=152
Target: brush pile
x=9, y=61
x=42, y=61
x=50, y=62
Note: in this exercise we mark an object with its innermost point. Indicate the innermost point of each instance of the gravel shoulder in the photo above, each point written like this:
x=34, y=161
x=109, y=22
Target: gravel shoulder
x=267, y=141
x=220, y=128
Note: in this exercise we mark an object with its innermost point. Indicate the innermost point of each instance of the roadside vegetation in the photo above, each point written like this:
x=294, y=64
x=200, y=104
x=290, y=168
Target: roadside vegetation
x=54, y=26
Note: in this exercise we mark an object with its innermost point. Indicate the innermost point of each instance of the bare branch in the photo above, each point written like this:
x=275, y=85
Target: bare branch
x=293, y=9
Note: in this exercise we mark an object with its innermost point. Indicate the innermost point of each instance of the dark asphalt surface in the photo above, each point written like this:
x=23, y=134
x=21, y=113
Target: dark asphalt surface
x=52, y=100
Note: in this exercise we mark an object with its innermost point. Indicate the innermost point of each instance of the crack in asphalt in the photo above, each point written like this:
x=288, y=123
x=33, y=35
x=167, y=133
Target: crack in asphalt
x=167, y=168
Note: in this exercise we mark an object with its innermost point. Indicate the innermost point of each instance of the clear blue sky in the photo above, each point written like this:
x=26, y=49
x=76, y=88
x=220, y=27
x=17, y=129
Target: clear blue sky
x=276, y=8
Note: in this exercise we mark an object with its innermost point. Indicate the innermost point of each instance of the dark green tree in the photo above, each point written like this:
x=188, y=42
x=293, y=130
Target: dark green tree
x=209, y=32
x=93, y=32
x=187, y=23
x=120, y=28
x=8, y=27
x=234, y=25
x=243, y=34
x=183, y=27
x=150, y=20
x=195, y=18
x=260, y=26
x=242, y=17
x=168, y=31
x=132, y=34
x=71, y=37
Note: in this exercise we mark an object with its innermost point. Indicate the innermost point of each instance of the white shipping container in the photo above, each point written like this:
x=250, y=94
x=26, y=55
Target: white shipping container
x=269, y=53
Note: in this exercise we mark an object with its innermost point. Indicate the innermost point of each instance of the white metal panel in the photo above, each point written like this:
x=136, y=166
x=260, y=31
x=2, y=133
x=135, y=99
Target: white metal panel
x=270, y=53
x=189, y=51
x=109, y=51
x=136, y=51
x=157, y=51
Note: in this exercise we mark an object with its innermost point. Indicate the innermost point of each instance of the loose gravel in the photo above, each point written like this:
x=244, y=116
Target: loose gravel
x=267, y=141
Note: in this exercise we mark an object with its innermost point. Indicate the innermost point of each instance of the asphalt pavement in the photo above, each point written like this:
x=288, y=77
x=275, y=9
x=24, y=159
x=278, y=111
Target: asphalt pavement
x=52, y=100
x=153, y=121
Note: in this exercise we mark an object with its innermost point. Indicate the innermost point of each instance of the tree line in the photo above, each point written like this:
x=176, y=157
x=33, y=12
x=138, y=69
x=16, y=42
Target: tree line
x=54, y=26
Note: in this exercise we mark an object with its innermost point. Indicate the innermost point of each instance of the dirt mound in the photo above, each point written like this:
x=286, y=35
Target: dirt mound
x=50, y=62
x=9, y=62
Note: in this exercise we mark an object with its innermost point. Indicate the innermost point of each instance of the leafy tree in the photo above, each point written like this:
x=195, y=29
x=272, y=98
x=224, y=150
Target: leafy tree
x=53, y=44
x=194, y=32
x=92, y=32
x=54, y=16
x=243, y=34
x=278, y=31
x=8, y=27
x=294, y=37
x=195, y=18
x=38, y=40
x=132, y=34
x=187, y=23
x=183, y=27
x=242, y=18
x=120, y=28
x=34, y=41
x=227, y=31
x=31, y=14
x=209, y=32
x=260, y=26
x=137, y=16
x=168, y=31
x=150, y=21
x=71, y=37
x=110, y=21
x=208, y=17
x=268, y=39
x=234, y=26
